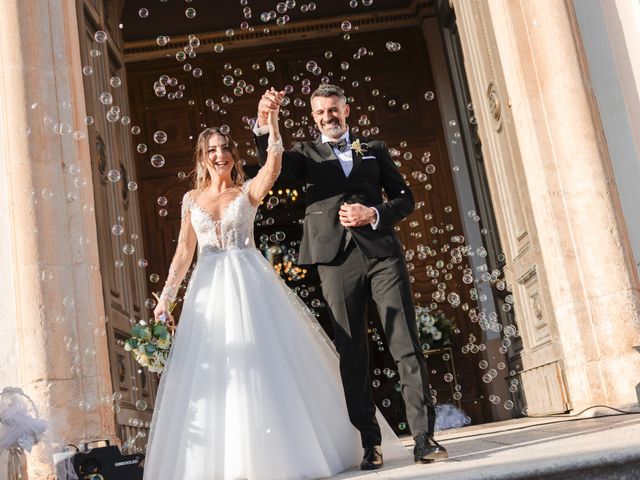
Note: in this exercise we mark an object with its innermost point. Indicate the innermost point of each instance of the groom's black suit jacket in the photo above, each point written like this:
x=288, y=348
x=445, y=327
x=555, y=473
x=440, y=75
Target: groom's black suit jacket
x=316, y=166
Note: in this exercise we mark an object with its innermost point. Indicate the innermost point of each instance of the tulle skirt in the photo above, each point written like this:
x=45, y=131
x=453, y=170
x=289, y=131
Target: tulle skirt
x=252, y=388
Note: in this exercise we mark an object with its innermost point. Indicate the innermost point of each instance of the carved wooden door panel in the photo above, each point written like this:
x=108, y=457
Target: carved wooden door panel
x=122, y=259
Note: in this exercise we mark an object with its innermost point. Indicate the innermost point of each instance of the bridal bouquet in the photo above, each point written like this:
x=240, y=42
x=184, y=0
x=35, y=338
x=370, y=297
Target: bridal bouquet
x=150, y=342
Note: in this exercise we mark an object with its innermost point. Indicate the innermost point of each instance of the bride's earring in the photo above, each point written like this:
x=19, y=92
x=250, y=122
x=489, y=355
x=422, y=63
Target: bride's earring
x=200, y=171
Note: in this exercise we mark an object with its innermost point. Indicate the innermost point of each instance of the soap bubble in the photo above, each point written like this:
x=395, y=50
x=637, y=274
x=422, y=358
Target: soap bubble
x=106, y=98
x=157, y=160
x=100, y=36
x=160, y=137
x=393, y=46
x=113, y=116
x=113, y=175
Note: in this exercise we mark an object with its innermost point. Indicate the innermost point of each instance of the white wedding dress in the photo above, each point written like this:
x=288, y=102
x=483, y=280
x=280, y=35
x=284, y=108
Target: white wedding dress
x=252, y=387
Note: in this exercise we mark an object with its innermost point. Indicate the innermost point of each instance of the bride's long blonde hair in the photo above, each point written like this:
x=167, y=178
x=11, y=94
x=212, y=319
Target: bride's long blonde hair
x=201, y=175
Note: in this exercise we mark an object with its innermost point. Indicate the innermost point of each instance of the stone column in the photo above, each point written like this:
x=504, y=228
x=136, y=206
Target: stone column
x=50, y=228
x=592, y=281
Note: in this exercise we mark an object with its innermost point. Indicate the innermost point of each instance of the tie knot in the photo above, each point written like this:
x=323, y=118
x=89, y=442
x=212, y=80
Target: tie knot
x=340, y=144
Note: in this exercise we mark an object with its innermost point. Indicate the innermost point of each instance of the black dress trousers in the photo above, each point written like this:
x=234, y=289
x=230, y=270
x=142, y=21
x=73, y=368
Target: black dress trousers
x=347, y=282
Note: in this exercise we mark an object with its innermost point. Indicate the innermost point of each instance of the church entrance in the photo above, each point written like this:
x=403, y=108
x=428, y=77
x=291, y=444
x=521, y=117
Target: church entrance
x=398, y=70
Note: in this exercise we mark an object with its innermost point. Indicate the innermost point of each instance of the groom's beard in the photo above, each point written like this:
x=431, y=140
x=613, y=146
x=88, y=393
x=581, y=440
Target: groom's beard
x=332, y=129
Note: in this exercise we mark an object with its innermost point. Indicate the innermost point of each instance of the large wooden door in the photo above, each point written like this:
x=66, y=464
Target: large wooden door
x=388, y=87
x=117, y=210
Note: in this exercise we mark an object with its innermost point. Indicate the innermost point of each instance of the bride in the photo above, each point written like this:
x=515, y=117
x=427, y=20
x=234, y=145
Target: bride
x=252, y=388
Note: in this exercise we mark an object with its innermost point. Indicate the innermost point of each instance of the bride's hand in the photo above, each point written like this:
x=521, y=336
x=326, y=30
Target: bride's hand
x=161, y=312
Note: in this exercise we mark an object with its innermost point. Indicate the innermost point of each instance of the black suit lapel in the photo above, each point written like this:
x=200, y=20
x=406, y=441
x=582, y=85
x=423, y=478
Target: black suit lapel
x=357, y=159
x=327, y=153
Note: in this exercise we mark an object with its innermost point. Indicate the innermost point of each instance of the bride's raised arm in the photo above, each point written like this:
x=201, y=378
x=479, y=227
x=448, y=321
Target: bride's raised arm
x=269, y=172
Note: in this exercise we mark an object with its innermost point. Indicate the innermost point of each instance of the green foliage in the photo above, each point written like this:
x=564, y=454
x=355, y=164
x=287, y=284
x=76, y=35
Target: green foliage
x=150, y=345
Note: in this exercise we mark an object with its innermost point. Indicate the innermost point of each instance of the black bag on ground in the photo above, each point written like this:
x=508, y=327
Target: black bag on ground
x=109, y=463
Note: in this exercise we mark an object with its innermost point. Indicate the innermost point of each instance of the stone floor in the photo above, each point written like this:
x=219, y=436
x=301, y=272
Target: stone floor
x=562, y=447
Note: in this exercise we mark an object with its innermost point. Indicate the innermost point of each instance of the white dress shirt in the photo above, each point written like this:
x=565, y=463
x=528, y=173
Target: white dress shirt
x=345, y=158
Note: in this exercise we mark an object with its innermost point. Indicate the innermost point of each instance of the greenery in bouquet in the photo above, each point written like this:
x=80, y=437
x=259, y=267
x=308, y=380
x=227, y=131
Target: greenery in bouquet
x=434, y=328
x=150, y=342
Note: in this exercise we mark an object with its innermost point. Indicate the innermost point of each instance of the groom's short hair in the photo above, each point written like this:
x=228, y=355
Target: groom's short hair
x=328, y=90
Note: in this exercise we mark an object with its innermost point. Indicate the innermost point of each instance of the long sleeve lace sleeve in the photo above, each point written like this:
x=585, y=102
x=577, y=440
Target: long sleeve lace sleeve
x=184, y=252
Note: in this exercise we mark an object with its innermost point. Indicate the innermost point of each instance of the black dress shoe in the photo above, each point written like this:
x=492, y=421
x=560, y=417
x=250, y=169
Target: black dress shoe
x=372, y=459
x=427, y=450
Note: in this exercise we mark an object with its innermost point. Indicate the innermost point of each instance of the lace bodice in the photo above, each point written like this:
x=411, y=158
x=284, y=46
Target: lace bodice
x=234, y=229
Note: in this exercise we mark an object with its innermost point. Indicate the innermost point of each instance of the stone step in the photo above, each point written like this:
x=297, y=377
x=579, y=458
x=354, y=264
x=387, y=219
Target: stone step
x=592, y=448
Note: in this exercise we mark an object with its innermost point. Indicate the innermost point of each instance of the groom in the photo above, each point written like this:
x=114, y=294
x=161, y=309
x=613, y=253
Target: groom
x=348, y=233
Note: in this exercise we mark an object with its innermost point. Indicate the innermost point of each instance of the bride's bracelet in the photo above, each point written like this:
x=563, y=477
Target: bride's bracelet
x=275, y=145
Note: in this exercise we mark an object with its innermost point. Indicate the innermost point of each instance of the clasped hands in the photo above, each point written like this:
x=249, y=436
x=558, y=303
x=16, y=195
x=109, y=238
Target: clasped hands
x=356, y=215
x=269, y=103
